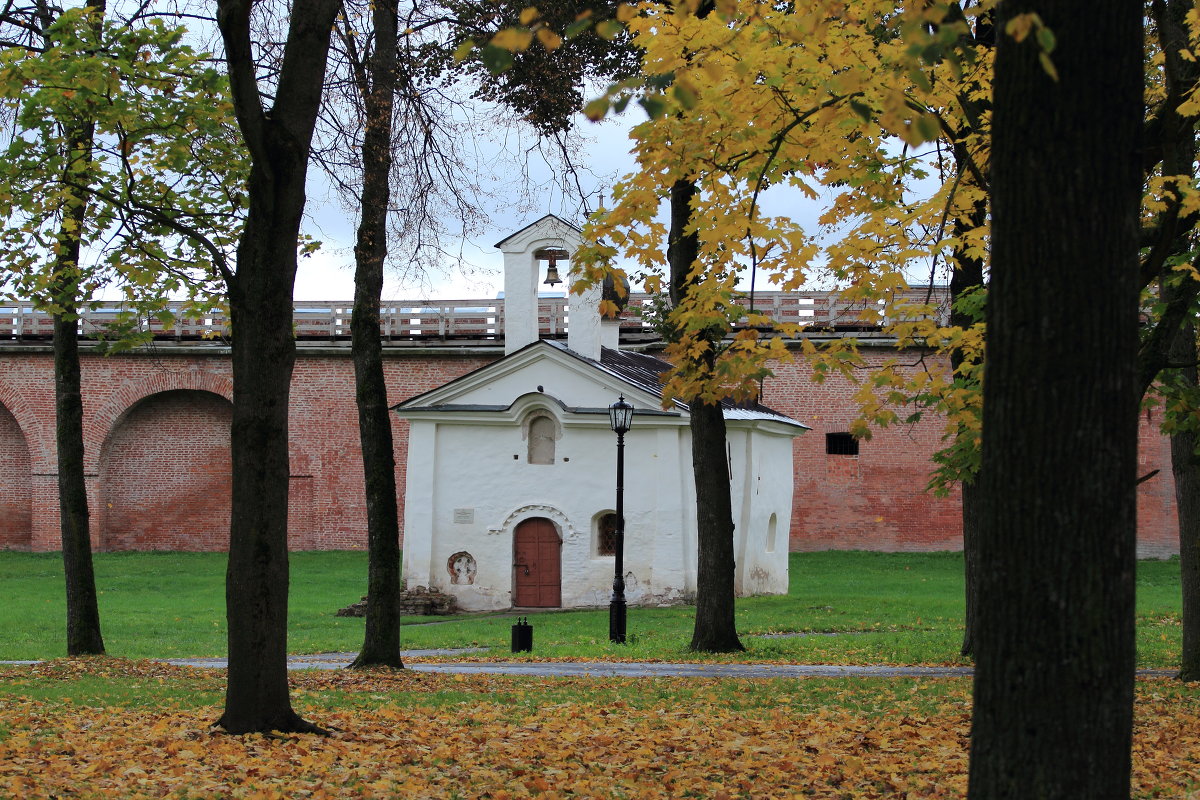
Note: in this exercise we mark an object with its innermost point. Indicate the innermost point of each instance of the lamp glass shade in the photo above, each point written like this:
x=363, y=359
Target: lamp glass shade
x=620, y=415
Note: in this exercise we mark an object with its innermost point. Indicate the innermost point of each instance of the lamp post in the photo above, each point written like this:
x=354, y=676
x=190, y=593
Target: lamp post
x=620, y=416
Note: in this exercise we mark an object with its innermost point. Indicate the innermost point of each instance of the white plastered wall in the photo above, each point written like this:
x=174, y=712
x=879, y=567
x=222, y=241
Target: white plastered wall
x=523, y=281
x=479, y=493
x=486, y=487
x=760, y=489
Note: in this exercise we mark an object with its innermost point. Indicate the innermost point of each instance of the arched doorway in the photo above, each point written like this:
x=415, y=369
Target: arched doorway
x=165, y=474
x=537, y=565
x=16, y=508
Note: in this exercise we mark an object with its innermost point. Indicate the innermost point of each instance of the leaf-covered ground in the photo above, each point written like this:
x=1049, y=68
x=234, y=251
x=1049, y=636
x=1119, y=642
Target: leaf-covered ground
x=113, y=728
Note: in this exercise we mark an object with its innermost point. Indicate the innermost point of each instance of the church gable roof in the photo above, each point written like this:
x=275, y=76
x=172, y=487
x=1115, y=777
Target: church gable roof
x=549, y=225
x=572, y=381
x=496, y=386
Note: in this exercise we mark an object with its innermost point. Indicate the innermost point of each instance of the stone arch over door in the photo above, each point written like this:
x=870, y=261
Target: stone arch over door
x=165, y=474
x=16, y=498
x=537, y=564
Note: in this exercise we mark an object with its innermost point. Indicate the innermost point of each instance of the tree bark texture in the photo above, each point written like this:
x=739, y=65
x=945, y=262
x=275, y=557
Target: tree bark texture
x=260, y=303
x=381, y=640
x=83, y=612
x=714, y=630
x=1055, y=646
x=1185, y=464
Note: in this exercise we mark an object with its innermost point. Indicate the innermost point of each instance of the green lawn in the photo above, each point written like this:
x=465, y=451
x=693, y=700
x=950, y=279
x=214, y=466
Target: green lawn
x=898, y=608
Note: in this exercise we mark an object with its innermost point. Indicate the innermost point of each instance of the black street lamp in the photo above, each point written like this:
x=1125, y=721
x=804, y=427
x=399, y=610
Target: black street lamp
x=620, y=417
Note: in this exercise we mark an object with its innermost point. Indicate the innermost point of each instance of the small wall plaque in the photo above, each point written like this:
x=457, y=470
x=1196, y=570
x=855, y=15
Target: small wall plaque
x=464, y=516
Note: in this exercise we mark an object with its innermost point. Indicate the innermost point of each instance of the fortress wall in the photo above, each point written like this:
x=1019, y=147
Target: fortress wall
x=158, y=465
x=157, y=446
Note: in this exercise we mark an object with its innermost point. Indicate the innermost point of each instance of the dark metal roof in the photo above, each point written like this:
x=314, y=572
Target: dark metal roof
x=642, y=370
x=645, y=371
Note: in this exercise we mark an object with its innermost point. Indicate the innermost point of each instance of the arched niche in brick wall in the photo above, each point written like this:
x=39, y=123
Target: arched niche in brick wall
x=16, y=499
x=165, y=474
x=99, y=427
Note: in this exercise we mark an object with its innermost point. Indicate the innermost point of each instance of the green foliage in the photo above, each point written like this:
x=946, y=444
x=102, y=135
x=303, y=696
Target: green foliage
x=578, y=43
x=131, y=122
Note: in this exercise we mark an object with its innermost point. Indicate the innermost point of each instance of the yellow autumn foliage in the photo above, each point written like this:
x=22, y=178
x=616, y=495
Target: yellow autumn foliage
x=856, y=105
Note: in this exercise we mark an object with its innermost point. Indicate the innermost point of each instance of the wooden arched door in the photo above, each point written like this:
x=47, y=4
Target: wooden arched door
x=537, y=566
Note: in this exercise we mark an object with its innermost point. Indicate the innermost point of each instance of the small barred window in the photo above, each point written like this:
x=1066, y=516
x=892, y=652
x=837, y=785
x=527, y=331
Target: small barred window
x=606, y=535
x=841, y=444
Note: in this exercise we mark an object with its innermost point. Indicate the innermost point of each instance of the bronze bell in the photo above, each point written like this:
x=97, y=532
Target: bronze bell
x=552, y=273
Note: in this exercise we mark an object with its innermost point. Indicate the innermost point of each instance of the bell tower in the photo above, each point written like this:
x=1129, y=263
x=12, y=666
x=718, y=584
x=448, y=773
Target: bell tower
x=546, y=248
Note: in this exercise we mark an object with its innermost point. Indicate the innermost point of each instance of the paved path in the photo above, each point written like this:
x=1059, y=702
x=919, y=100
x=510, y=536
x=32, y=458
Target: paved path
x=626, y=669
x=619, y=669
x=629, y=669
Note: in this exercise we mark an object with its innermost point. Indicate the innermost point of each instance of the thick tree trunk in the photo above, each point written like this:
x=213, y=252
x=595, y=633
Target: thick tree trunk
x=256, y=581
x=1185, y=464
x=260, y=304
x=83, y=612
x=1054, y=644
x=714, y=629
x=381, y=641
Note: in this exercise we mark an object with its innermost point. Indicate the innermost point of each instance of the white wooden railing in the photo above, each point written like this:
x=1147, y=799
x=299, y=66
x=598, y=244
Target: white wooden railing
x=460, y=319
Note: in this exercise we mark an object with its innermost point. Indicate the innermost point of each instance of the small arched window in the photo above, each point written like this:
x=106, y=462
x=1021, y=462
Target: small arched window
x=772, y=532
x=541, y=440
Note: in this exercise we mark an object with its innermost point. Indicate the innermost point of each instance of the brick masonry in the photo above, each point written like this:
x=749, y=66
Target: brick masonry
x=157, y=449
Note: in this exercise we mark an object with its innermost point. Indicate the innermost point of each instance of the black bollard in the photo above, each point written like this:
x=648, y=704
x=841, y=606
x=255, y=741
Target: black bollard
x=522, y=636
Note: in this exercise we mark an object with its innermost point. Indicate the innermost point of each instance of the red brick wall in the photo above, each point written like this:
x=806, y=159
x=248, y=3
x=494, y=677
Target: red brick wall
x=15, y=476
x=155, y=425
x=1158, y=527
x=165, y=475
x=876, y=500
x=164, y=413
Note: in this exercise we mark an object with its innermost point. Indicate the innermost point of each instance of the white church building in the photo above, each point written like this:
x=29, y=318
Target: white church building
x=511, y=478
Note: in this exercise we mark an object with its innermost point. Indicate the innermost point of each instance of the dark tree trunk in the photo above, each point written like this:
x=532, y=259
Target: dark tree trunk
x=1175, y=343
x=381, y=641
x=1055, y=638
x=1185, y=464
x=83, y=613
x=714, y=629
x=256, y=581
x=970, y=524
x=260, y=304
x=967, y=274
